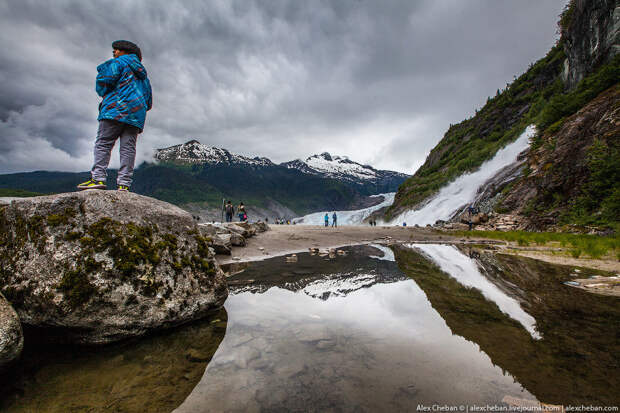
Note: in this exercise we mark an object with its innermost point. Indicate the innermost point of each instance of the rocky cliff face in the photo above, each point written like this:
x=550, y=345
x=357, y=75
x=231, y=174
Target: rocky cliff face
x=591, y=33
x=99, y=266
x=571, y=174
x=558, y=168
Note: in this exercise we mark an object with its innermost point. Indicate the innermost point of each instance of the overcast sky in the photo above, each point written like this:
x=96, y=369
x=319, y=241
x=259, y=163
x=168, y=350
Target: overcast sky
x=378, y=81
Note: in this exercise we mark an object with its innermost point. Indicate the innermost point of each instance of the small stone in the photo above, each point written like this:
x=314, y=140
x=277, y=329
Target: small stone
x=196, y=356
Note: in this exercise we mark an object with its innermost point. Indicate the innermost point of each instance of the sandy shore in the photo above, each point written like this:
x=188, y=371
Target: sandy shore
x=287, y=239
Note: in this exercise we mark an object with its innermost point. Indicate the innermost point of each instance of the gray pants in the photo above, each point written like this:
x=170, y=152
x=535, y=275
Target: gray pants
x=109, y=131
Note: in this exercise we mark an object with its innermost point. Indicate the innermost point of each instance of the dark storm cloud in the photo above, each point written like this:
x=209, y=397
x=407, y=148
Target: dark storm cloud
x=378, y=81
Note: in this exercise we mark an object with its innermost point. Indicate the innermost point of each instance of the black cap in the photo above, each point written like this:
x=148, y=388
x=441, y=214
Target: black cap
x=127, y=46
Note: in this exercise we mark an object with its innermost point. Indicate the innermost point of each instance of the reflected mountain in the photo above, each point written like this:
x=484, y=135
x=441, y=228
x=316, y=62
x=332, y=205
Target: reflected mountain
x=576, y=361
x=321, y=277
x=154, y=374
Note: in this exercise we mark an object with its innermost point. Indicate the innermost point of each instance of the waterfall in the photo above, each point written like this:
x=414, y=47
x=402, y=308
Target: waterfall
x=463, y=190
x=464, y=270
x=347, y=217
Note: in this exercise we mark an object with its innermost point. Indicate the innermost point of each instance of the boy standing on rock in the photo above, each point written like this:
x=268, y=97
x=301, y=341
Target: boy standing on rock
x=126, y=92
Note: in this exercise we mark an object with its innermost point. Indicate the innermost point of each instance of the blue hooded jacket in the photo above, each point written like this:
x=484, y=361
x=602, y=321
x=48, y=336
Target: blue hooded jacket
x=125, y=89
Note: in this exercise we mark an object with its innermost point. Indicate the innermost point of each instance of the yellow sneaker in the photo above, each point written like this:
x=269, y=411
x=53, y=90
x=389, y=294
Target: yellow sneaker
x=123, y=188
x=91, y=184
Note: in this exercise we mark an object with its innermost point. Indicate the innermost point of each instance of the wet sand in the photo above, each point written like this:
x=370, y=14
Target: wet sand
x=288, y=239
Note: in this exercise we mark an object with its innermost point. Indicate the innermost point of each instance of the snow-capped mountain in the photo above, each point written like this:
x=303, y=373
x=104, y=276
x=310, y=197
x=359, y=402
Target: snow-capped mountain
x=342, y=168
x=193, y=152
x=222, y=166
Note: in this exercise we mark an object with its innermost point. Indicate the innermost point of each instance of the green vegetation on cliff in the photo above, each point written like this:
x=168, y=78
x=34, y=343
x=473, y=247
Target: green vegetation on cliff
x=467, y=145
x=562, y=105
x=537, y=97
x=599, y=202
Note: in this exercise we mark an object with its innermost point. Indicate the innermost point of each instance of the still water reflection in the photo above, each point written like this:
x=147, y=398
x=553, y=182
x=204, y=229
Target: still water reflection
x=357, y=334
x=377, y=329
x=154, y=374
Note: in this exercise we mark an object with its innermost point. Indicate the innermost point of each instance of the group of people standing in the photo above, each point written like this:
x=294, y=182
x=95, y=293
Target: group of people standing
x=229, y=210
x=334, y=220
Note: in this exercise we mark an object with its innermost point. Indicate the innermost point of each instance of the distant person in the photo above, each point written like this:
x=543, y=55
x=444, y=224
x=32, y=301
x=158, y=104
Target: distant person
x=127, y=96
x=230, y=210
x=241, y=212
x=334, y=220
x=326, y=219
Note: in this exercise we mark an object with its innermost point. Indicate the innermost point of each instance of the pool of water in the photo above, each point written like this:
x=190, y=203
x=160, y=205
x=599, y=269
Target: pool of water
x=378, y=329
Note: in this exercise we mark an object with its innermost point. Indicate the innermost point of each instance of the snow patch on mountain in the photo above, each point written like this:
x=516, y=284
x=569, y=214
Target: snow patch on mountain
x=193, y=152
x=339, y=166
x=323, y=165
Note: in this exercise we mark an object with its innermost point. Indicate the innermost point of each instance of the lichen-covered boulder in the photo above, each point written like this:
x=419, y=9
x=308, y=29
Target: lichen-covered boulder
x=11, y=336
x=100, y=266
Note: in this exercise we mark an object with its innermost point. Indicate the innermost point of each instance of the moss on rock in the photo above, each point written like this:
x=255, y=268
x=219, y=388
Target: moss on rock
x=76, y=287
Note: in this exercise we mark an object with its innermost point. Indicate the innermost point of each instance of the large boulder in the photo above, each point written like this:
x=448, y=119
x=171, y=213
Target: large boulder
x=11, y=336
x=250, y=228
x=100, y=266
x=261, y=226
x=239, y=229
x=221, y=244
x=237, y=240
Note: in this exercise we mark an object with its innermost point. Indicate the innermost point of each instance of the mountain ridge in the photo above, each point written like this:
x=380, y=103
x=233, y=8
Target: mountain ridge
x=197, y=177
x=338, y=167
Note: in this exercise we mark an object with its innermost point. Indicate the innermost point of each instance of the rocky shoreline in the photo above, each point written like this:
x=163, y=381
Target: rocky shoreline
x=96, y=267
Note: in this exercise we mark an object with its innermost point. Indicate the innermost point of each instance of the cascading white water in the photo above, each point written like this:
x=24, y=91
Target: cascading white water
x=462, y=190
x=464, y=270
x=346, y=217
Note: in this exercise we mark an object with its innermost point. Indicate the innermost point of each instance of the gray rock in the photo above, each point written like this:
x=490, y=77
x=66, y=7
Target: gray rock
x=237, y=240
x=591, y=38
x=249, y=228
x=234, y=227
x=101, y=266
x=11, y=336
x=221, y=244
x=208, y=229
x=261, y=226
